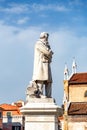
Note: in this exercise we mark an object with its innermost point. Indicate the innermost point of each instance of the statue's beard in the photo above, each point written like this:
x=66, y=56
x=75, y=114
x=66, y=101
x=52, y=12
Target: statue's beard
x=45, y=41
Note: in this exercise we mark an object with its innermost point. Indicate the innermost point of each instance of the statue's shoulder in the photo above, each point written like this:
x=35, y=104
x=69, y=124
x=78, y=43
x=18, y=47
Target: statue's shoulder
x=39, y=43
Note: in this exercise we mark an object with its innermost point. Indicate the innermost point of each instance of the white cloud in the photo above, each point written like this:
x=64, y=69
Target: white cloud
x=23, y=20
x=15, y=35
x=61, y=8
x=64, y=42
x=15, y=8
x=67, y=44
x=28, y=8
x=77, y=2
x=7, y=33
x=53, y=7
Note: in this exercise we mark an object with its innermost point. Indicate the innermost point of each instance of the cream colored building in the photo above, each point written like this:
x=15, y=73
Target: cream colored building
x=75, y=102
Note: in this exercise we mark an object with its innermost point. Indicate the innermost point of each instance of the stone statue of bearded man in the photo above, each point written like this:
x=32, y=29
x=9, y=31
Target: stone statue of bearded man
x=42, y=70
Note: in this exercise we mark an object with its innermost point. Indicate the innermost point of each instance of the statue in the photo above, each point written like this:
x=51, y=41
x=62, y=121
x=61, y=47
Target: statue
x=42, y=71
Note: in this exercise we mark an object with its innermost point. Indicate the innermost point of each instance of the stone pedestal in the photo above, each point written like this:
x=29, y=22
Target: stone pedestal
x=40, y=114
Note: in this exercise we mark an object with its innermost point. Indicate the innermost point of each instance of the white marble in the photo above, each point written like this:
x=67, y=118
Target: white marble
x=40, y=115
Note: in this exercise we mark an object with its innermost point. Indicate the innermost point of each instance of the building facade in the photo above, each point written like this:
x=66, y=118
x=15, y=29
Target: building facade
x=75, y=102
x=12, y=118
x=1, y=118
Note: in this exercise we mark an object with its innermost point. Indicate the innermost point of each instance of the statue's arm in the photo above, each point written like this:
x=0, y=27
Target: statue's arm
x=46, y=51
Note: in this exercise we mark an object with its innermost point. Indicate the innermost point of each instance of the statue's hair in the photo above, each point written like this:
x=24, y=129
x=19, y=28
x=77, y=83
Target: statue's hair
x=44, y=34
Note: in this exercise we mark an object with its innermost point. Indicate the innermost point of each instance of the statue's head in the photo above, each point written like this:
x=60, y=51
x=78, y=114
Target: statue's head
x=44, y=35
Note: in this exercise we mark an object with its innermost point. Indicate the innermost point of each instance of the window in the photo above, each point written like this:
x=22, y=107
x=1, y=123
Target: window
x=85, y=94
x=8, y=114
x=16, y=127
x=9, y=117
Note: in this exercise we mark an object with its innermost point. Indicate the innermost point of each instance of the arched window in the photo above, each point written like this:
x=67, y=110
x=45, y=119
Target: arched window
x=85, y=94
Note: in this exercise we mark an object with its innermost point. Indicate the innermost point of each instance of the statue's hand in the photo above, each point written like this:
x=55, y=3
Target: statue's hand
x=51, y=52
x=46, y=58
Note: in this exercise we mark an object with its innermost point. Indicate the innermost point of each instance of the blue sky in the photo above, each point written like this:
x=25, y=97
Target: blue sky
x=21, y=23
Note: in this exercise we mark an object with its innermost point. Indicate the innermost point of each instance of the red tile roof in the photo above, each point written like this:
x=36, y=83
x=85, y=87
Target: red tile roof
x=78, y=108
x=78, y=78
x=12, y=108
x=8, y=107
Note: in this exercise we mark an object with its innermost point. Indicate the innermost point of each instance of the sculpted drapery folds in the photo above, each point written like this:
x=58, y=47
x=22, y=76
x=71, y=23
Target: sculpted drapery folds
x=42, y=61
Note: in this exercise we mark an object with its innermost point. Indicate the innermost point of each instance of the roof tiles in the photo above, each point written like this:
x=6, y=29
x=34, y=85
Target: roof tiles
x=78, y=78
x=78, y=108
x=12, y=108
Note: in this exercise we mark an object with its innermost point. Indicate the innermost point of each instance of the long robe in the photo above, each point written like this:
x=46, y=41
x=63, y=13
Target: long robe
x=42, y=60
